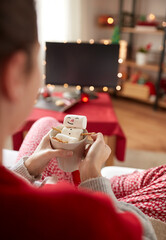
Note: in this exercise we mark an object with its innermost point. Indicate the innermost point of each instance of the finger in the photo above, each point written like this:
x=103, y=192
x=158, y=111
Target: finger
x=61, y=153
x=86, y=150
x=108, y=149
x=97, y=136
x=99, y=139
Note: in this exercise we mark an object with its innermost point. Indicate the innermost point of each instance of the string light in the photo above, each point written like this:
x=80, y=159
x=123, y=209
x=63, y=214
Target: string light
x=110, y=20
x=91, y=88
x=118, y=87
x=105, y=89
x=78, y=41
x=44, y=76
x=151, y=17
x=119, y=75
x=65, y=85
x=120, y=60
x=78, y=87
x=44, y=63
x=164, y=24
x=91, y=41
x=51, y=87
x=106, y=42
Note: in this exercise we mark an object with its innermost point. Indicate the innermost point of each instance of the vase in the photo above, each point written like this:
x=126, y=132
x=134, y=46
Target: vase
x=141, y=58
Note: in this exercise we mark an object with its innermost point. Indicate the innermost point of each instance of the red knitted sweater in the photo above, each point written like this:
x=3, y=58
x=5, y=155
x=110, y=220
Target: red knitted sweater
x=60, y=212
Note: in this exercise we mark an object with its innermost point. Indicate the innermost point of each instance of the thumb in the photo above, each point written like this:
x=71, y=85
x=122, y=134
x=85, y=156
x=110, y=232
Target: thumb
x=108, y=150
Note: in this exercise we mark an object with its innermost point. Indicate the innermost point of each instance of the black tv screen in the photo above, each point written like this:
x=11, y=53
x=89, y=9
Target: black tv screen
x=82, y=64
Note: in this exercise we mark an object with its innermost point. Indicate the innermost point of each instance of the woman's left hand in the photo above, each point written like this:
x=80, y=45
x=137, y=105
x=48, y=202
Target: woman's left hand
x=39, y=160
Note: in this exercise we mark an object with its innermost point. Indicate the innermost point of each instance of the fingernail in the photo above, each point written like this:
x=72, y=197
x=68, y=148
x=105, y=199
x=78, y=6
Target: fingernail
x=69, y=153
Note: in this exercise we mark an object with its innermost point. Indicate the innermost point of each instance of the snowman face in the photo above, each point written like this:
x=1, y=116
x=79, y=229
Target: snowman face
x=75, y=121
x=72, y=121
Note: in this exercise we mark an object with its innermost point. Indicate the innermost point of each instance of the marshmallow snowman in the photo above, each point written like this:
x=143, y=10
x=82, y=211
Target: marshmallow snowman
x=74, y=126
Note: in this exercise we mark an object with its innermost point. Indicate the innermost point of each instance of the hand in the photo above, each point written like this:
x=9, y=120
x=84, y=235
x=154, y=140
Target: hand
x=96, y=156
x=39, y=160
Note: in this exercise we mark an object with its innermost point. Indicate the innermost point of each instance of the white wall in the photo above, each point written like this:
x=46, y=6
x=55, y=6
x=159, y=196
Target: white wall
x=58, y=20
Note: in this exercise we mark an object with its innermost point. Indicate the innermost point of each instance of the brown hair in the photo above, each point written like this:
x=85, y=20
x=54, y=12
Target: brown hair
x=18, y=28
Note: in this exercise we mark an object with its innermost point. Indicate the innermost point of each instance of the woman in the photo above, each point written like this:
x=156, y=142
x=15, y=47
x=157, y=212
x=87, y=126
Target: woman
x=60, y=210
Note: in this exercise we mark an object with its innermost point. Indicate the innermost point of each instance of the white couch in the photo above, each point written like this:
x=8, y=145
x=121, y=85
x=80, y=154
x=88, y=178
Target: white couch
x=112, y=171
x=9, y=157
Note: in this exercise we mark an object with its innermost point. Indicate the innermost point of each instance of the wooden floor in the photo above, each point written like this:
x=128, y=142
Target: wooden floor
x=144, y=128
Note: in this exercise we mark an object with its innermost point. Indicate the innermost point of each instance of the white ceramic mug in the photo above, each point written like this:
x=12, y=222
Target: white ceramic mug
x=69, y=164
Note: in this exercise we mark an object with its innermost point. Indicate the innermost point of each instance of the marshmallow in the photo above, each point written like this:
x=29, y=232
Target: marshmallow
x=73, y=132
x=75, y=121
x=66, y=138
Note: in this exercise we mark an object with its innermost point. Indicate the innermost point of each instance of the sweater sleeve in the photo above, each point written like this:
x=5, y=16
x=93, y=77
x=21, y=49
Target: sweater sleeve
x=20, y=169
x=102, y=184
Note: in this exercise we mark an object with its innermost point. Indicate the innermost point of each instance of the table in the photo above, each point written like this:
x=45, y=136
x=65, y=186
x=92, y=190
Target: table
x=101, y=118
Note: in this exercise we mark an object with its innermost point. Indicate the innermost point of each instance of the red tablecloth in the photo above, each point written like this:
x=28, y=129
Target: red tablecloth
x=101, y=118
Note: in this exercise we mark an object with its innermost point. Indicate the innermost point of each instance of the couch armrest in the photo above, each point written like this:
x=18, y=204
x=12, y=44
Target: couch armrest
x=9, y=157
x=112, y=171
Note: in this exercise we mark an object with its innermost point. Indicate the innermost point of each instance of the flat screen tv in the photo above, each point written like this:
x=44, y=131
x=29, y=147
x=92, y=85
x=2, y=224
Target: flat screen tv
x=82, y=64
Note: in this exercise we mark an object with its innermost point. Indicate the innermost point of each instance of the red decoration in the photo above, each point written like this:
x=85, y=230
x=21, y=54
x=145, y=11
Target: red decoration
x=151, y=88
x=145, y=23
x=45, y=92
x=84, y=97
x=163, y=84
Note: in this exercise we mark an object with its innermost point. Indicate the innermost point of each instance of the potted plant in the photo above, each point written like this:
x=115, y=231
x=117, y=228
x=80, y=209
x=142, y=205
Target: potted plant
x=141, y=54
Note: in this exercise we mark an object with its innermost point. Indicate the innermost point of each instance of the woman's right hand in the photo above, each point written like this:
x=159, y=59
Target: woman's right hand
x=41, y=157
x=95, y=158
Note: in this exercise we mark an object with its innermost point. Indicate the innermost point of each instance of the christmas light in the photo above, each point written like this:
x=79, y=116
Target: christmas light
x=151, y=17
x=119, y=75
x=91, y=88
x=65, y=85
x=44, y=76
x=118, y=87
x=78, y=41
x=110, y=20
x=91, y=41
x=120, y=60
x=44, y=63
x=78, y=87
x=105, y=89
x=164, y=24
x=106, y=42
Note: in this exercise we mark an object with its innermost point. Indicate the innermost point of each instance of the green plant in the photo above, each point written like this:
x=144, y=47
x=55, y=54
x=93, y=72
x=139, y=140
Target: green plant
x=145, y=49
